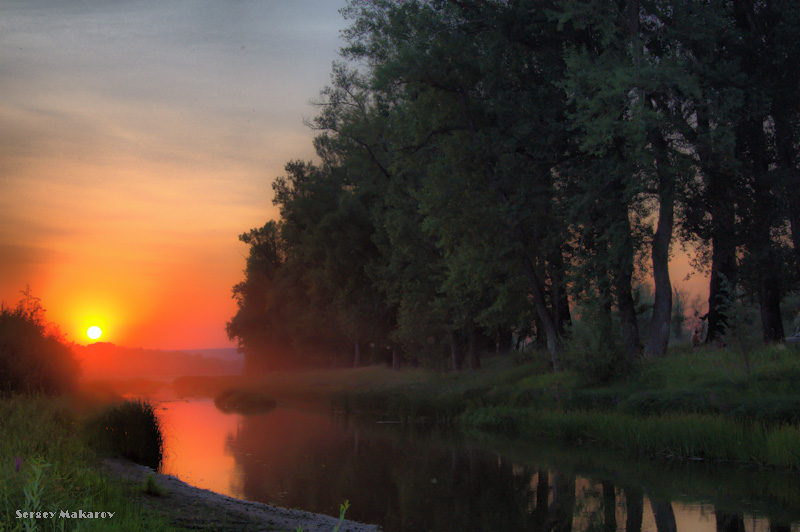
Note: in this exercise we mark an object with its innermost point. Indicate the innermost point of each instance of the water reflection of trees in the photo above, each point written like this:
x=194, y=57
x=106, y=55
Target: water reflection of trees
x=408, y=483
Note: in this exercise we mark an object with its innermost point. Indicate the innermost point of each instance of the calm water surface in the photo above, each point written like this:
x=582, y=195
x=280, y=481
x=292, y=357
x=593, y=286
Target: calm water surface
x=406, y=479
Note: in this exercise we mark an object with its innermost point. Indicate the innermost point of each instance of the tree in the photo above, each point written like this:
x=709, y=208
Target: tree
x=459, y=67
x=259, y=324
x=33, y=356
x=626, y=83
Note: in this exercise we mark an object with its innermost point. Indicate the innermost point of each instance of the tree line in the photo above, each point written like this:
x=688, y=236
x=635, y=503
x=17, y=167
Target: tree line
x=498, y=167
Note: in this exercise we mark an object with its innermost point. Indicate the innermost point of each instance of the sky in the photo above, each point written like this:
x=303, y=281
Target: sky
x=137, y=141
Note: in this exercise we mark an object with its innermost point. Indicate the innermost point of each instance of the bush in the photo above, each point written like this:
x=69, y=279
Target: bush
x=33, y=357
x=595, y=350
x=129, y=429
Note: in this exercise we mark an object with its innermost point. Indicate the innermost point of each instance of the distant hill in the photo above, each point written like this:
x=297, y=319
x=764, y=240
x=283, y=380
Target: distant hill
x=107, y=360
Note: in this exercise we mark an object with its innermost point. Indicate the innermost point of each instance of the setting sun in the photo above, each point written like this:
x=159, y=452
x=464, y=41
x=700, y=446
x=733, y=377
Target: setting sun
x=94, y=332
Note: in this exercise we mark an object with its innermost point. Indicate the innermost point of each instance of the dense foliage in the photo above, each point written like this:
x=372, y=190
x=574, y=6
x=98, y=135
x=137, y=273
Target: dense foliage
x=490, y=168
x=33, y=357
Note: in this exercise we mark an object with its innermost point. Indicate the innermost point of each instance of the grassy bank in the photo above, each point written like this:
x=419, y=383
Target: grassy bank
x=47, y=466
x=694, y=404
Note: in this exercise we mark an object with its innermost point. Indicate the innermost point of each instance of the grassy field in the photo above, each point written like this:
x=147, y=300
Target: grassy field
x=699, y=404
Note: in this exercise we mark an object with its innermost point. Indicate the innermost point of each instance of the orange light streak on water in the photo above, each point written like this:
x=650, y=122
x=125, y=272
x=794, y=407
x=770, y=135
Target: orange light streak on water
x=195, y=444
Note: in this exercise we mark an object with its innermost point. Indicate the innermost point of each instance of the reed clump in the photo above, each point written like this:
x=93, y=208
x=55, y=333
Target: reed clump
x=129, y=429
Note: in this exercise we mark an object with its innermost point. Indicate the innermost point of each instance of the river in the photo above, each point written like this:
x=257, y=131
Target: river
x=412, y=478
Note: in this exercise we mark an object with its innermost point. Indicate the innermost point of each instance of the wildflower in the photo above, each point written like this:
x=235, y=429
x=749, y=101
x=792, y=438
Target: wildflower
x=17, y=463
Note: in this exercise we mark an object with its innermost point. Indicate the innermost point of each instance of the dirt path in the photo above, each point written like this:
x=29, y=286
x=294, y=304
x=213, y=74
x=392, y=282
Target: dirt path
x=199, y=509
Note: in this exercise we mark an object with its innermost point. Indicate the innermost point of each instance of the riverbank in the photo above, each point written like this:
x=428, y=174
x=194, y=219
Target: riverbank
x=701, y=404
x=694, y=404
x=51, y=480
x=194, y=508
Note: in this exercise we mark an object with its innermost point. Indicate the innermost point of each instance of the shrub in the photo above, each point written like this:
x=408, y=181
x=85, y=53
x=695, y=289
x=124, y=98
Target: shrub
x=129, y=429
x=595, y=350
x=33, y=357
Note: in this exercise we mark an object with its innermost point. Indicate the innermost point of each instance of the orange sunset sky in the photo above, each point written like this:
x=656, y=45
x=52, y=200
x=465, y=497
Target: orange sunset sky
x=137, y=141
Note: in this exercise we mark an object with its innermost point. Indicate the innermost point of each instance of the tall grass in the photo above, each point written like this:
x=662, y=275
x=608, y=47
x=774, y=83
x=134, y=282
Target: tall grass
x=45, y=466
x=709, y=404
x=130, y=429
x=686, y=436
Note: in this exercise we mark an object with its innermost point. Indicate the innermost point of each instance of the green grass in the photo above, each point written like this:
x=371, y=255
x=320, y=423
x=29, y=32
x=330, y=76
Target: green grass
x=677, y=435
x=695, y=403
x=152, y=487
x=46, y=466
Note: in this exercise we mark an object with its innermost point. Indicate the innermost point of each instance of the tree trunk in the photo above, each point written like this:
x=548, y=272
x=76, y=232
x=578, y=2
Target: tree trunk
x=558, y=292
x=456, y=354
x=664, y=516
x=550, y=328
x=541, y=510
x=474, y=352
x=621, y=253
x=769, y=299
x=357, y=355
x=539, y=337
x=658, y=333
x=609, y=507
x=395, y=359
x=722, y=284
x=729, y=522
x=629, y=326
x=562, y=509
x=763, y=252
x=634, y=503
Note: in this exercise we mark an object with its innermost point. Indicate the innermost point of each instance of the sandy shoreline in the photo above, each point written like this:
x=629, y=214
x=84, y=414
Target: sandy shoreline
x=199, y=509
